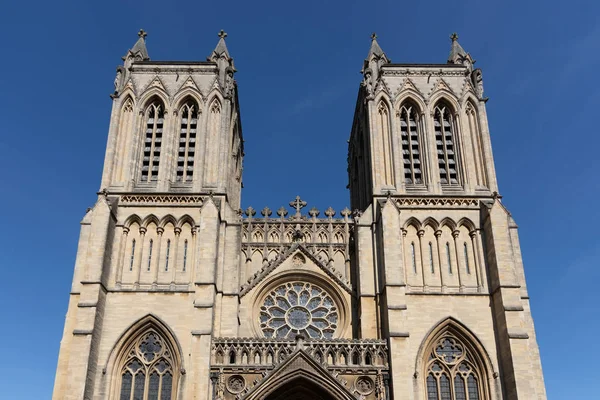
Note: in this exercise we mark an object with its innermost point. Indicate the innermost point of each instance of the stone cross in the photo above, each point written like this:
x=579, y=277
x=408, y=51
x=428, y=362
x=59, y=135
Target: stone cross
x=222, y=34
x=298, y=204
x=142, y=33
x=454, y=37
x=373, y=36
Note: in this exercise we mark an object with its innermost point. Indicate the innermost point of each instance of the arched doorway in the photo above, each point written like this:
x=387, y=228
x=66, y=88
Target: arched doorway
x=300, y=388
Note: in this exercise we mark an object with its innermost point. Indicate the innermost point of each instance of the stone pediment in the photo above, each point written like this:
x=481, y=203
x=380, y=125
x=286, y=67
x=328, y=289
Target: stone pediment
x=291, y=252
x=299, y=366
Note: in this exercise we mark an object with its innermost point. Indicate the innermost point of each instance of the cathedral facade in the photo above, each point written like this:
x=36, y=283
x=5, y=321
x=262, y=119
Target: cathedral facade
x=416, y=291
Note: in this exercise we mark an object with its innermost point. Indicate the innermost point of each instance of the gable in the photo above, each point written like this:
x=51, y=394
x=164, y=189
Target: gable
x=297, y=257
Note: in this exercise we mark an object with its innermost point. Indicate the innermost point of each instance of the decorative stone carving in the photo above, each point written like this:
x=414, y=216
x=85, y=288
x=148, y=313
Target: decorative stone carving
x=367, y=83
x=236, y=384
x=364, y=385
x=477, y=78
x=229, y=83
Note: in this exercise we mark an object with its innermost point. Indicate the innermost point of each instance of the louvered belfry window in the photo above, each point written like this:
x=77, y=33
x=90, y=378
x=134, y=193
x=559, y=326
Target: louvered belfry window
x=187, y=142
x=443, y=123
x=152, y=142
x=411, y=144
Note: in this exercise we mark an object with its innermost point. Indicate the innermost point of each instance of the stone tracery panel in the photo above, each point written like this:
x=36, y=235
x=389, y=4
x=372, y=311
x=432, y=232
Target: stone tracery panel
x=299, y=308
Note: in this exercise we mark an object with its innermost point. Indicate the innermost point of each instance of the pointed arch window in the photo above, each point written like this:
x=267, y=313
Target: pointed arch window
x=452, y=371
x=187, y=142
x=167, y=255
x=148, y=371
x=411, y=143
x=132, y=257
x=445, y=137
x=152, y=141
x=150, y=254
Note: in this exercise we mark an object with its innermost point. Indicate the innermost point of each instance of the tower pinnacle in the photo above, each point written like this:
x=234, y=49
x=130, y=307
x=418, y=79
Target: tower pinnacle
x=458, y=55
x=139, y=51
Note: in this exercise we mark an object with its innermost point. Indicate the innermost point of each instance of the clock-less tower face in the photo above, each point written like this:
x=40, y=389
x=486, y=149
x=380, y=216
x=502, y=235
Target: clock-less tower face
x=296, y=308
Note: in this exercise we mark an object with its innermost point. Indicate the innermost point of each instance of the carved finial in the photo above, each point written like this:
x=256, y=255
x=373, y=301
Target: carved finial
x=222, y=34
x=250, y=212
x=314, y=212
x=282, y=212
x=373, y=36
x=298, y=204
x=346, y=212
x=266, y=212
x=454, y=37
x=142, y=33
x=330, y=212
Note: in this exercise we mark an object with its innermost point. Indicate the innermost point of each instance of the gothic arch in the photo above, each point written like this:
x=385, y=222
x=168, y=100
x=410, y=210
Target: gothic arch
x=429, y=221
x=449, y=223
x=469, y=97
x=412, y=221
x=213, y=96
x=383, y=97
x=410, y=95
x=119, y=354
x=444, y=97
x=166, y=220
x=152, y=95
x=467, y=223
x=149, y=219
x=131, y=220
x=185, y=219
x=477, y=356
x=127, y=92
x=188, y=94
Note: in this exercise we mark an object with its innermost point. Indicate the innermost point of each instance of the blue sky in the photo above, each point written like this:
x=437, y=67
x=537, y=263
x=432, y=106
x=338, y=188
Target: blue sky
x=298, y=76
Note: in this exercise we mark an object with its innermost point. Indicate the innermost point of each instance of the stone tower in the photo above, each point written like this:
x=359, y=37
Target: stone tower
x=418, y=293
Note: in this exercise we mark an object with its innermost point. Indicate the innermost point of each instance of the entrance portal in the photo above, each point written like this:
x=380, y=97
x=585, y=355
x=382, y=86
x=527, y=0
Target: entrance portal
x=300, y=389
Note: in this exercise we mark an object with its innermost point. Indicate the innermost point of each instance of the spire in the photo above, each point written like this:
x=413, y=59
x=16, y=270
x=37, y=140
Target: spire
x=375, y=48
x=372, y=67
x=221, y=49
x=139, y=51
x=458, y=55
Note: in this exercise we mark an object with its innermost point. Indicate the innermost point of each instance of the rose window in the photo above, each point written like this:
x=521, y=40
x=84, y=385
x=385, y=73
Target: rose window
x=298, y=308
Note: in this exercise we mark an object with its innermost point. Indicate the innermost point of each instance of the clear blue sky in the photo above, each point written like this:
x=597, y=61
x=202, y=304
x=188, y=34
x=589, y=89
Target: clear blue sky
x=298, y=76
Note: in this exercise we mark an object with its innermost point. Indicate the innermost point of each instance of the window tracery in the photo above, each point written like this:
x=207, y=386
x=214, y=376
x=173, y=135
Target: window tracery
x=452, y=373
x=445, y=137
x=152, y=142
x=148, y=372
x=411, y=143
x=187, y=142
x=298, y=308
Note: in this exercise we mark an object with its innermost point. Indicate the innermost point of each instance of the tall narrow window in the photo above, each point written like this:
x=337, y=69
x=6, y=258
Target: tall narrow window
x=187, y=142
x=452, y=373
x=414, y=260
x=446, y=144
x=185, y=248
x=132, y=255
x=411, y=148
x=167, y=255
x=152, y=142
x=467, y=258
x=431, y=258
x=449, y=260
x=148, y=372
x=150, y=253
